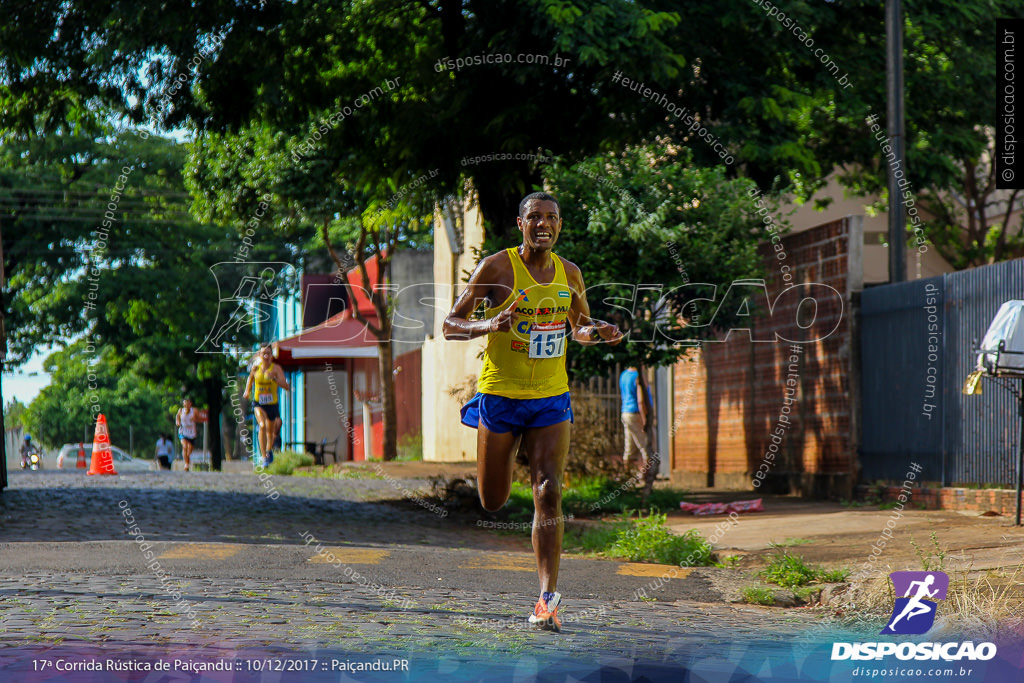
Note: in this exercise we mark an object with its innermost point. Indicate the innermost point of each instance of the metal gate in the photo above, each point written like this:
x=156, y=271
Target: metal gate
x=917, y=347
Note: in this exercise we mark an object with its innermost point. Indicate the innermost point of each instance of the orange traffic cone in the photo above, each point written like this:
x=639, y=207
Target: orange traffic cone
x=102, y=459
x=81, y=457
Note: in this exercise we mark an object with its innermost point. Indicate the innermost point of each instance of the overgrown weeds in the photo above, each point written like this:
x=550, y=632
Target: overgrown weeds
x=285, y=462
x=645, y=539
x=978, y=605
x=790, y=571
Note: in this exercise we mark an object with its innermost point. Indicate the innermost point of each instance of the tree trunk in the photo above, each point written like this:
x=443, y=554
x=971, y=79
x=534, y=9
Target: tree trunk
x=650, y=434
x=387, y=395
x=214, y=406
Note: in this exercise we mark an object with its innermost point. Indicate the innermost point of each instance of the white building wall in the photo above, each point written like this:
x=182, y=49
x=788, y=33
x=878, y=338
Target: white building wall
x=448, y=364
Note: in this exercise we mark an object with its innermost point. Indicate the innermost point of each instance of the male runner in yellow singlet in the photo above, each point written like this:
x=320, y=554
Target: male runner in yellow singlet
x=266, y=376
x=533, y=301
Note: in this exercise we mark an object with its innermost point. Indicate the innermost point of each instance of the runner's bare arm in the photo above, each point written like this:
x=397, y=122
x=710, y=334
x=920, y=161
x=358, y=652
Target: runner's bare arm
x=458, y=326
x=280, y=378
x=248, y=385
x=586, y=330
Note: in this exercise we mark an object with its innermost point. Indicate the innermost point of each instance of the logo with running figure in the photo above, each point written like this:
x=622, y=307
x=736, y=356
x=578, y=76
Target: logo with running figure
x=914, y=613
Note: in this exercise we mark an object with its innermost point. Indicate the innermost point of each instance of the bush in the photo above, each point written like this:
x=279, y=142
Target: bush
x=286, y=461
x=648, y=540
x=599, y=537
x=790, y=571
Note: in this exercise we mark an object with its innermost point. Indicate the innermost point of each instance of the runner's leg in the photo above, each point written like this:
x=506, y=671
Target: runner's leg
x=186, y=451
x=264, y=424
x=548, y=450
x=275, y=429
x=494, y=460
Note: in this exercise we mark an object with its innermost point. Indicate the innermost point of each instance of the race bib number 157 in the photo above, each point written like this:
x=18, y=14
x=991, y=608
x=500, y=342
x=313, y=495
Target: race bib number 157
x=547, y=340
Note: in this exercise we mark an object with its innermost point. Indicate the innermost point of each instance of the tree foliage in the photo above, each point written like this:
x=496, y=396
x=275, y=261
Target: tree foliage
x=653, y=234
x=392, y=89
x=99, y=246
x=81, y=378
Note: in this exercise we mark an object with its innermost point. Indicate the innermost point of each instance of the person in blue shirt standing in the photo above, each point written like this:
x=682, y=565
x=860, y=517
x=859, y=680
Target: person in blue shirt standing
x=634, y=416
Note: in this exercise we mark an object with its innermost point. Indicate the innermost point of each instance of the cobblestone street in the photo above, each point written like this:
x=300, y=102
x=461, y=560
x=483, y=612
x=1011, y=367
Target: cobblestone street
x=231, y=579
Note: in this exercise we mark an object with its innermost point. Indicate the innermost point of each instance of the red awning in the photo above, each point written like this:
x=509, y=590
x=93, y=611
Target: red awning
x=339, y=336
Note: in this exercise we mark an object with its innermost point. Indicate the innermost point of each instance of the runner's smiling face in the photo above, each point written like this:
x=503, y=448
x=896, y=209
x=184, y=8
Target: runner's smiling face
x=540, y=224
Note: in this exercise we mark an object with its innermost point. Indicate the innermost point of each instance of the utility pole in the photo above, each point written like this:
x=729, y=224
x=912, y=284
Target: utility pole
x=3, y=359
x=894, y=87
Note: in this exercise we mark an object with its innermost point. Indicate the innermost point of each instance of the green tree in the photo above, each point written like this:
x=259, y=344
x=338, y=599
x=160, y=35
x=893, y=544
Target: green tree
x=13, y=412
x=315, y=208
x=85, y=377
x=653, y=235
x=299, y=68
x=786, y=98
x=99, y=245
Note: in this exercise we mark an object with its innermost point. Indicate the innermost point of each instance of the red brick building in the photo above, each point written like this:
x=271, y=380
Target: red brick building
x=741, y=407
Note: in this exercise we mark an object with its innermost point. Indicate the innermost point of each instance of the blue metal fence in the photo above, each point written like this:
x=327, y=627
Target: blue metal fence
x=917, y=347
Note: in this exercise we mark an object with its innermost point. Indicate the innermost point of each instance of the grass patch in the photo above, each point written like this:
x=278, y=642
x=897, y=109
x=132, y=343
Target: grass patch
x=791, y=571
x=595, y=494
x=835, y=575
x=285, y=462
x=790, y=542
x=731, y=562
x=596, y=538
x=755, y=595
x=648, y=540
x=410, y=448
x=342, y=473
x=645, y=539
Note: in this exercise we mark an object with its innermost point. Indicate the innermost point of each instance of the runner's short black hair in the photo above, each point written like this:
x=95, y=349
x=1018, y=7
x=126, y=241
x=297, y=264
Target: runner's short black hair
x=543, y=196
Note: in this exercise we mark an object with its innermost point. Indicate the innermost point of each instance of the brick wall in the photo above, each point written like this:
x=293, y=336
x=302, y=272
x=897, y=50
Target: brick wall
x=729, y=396
x=1001, y=501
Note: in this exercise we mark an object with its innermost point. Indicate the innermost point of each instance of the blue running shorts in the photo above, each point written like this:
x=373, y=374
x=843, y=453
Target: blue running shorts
x=502, y=415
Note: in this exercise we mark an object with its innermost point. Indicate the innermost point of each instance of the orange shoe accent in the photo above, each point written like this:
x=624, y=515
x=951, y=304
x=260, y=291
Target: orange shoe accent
x=545, y=617
x=102, y=458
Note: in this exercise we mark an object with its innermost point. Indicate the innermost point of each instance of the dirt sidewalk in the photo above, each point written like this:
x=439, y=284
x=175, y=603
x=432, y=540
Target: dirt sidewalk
x=835, y=535
x=825, y=533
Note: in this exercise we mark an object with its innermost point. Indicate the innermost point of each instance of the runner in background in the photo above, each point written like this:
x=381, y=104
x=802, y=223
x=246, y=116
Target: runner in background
x=264, y=379
x=186, y=421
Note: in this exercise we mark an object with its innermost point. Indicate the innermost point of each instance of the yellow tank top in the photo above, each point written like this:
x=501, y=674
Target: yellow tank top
x=528, y=361
x=266, y=388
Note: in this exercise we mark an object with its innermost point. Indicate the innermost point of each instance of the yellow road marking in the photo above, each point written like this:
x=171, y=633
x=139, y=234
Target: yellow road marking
x=509, y=563
x=201, y=551
x=347, y=555
x=653, y=570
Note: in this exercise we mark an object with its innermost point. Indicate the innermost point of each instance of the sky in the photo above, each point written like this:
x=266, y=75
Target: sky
x=26, y=381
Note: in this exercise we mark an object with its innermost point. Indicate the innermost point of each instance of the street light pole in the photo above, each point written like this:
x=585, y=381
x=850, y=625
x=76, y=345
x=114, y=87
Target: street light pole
x=894, y=86
x=3, y=359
